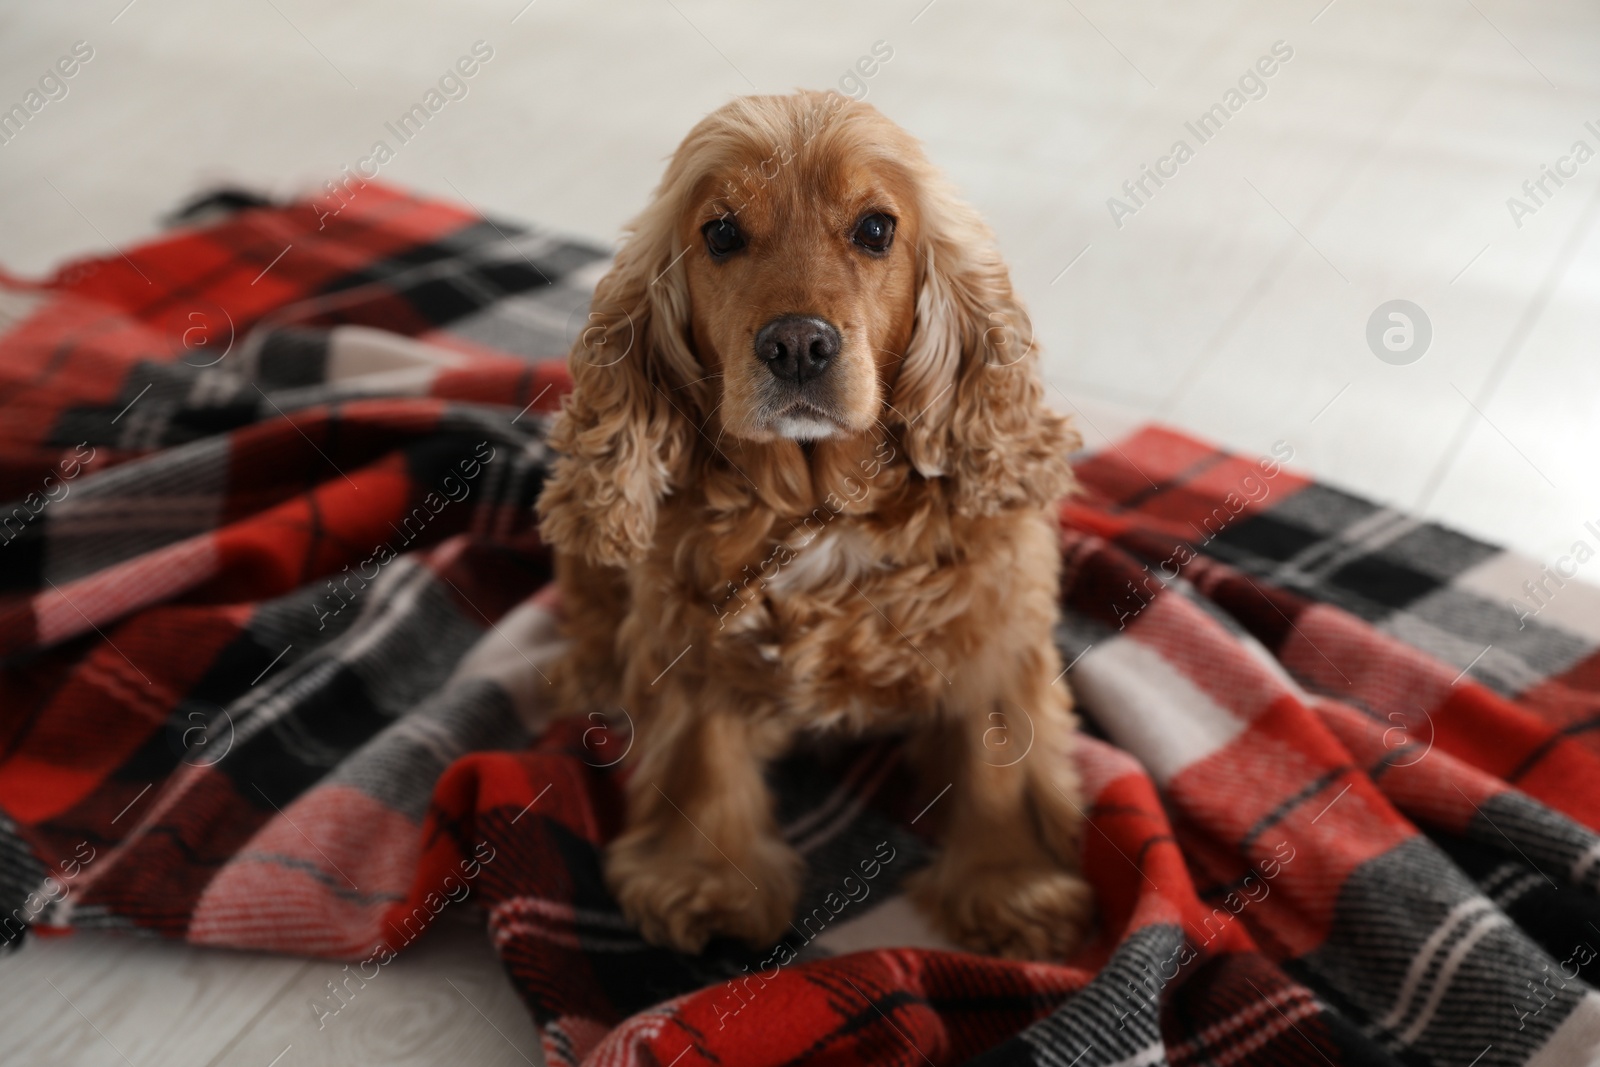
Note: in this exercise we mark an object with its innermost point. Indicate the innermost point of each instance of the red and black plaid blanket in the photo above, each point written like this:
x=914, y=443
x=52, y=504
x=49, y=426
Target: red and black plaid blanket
x=275, y=612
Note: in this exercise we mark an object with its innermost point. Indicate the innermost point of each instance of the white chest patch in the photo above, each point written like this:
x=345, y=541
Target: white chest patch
x=823, y=557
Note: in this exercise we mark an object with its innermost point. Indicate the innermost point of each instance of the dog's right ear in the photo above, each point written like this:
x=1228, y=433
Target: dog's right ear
x=622, y=442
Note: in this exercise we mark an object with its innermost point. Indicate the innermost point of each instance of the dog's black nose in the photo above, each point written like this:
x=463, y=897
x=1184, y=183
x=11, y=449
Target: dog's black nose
x=797, y=348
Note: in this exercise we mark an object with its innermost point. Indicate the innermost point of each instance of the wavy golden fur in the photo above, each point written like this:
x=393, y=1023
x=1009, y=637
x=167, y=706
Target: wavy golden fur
x=871, y=549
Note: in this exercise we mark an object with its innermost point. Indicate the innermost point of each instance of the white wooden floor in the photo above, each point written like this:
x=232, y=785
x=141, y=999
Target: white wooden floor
x=1234, y=301
x=103, y=1000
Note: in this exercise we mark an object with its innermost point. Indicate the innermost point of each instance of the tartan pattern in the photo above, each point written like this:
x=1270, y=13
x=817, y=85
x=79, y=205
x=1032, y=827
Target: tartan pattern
x=273, y=612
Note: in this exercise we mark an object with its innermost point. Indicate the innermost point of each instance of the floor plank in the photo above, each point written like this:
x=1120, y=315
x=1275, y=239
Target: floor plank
x=96, y=999
x=104, y=999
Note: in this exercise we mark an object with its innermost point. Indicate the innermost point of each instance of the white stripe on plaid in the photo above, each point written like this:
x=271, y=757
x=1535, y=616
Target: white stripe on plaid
x=848, y=813
x=1447, y=972
x=1517, y=889
x=848, y=787
x=1464, y=912
x=1149, y=1056
x=1584, y=865
x=1317, y=562
x=1150, y=709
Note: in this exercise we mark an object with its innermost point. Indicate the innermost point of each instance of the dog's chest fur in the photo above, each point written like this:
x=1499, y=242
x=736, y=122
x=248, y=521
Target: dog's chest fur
x=845, y=552
x=812, y=626
x=798, y=575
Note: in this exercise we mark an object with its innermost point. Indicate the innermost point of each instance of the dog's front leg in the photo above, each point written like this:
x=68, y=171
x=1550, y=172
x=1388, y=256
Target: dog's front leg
x=701, y=854
x=1006, y=881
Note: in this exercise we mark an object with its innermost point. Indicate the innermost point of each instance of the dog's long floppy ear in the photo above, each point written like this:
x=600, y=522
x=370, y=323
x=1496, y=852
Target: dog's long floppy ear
x=969, y=394
x=623, y=441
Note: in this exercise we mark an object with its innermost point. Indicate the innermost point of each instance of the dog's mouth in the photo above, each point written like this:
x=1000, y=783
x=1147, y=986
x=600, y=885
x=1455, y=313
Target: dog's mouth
x=803, y=420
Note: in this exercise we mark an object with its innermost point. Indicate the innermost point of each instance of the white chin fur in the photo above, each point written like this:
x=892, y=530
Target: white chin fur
x=804, y=427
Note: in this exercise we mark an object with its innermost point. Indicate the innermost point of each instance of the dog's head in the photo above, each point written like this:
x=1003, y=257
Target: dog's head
x=802, y=274
x=802, y=228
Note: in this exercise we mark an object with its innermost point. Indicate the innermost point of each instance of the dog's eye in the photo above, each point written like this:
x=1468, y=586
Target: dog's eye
x=875, y=232
x=722, y=237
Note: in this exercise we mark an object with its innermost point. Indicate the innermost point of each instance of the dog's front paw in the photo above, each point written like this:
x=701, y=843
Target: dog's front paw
x=680, y=895
x=1020, y=911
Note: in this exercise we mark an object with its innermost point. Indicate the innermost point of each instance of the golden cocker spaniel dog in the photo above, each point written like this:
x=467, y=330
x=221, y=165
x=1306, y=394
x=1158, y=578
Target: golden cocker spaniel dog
x=808, y=483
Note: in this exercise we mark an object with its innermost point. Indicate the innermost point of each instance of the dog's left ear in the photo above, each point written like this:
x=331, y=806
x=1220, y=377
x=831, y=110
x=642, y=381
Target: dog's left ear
x=622, y=441
x=969, y=395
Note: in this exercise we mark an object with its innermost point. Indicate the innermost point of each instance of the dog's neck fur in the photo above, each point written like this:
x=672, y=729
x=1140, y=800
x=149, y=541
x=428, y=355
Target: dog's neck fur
x=792, y=479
